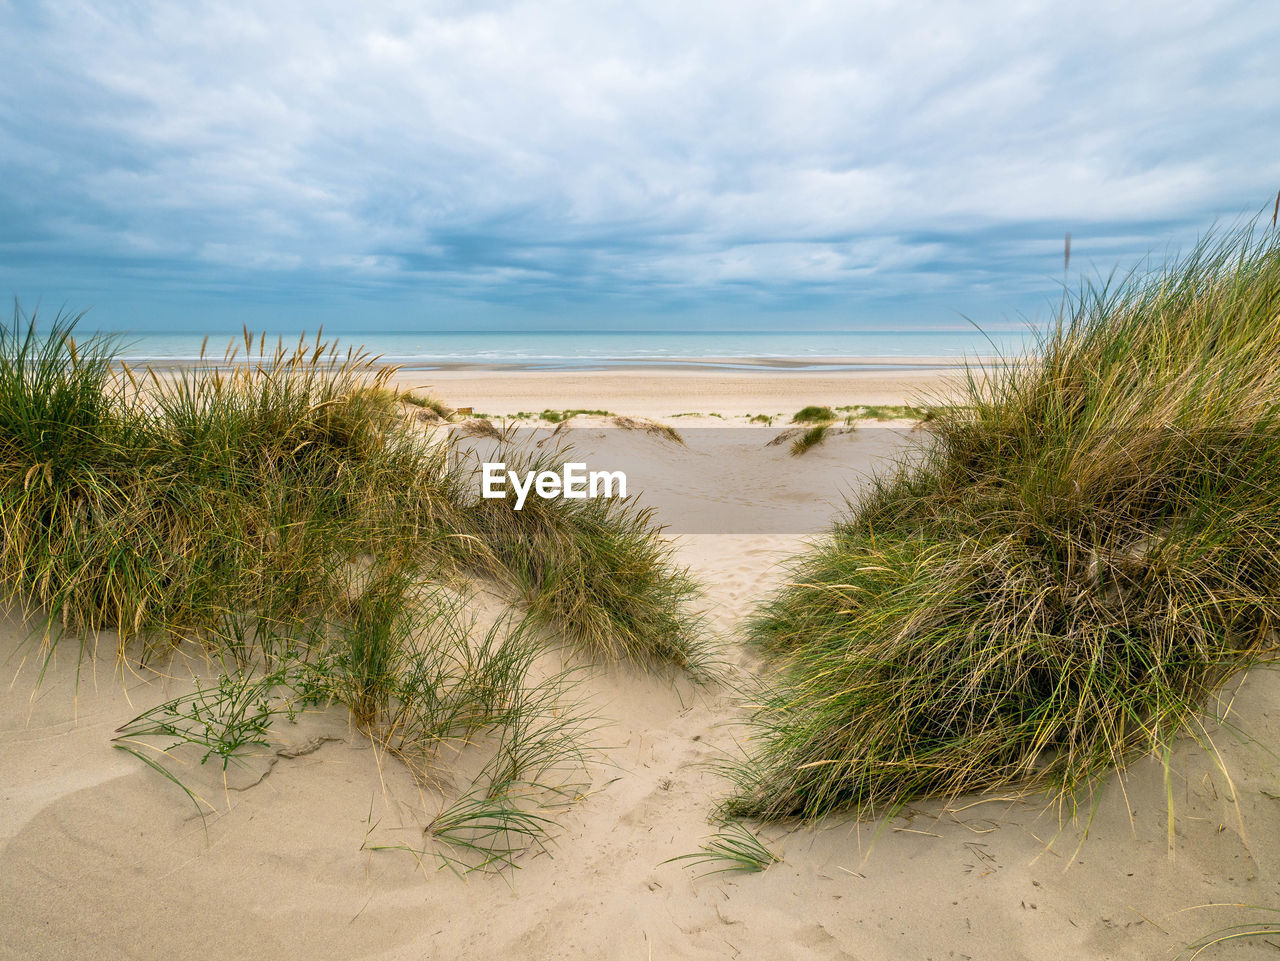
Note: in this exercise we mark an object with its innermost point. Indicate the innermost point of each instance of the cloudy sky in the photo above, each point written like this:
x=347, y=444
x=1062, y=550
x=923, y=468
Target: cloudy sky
x=641, y=164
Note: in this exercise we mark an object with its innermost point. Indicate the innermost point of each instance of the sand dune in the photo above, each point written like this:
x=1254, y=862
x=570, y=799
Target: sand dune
x=102, y=858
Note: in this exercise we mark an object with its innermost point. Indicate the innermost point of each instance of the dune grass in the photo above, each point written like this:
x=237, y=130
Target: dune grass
x=592, y=572
x=556, y=416
x=560, y=416
x=813, y=415
x=650, y=426
x=426, y=402
x=174, y=507
x=178, y=507
x=1263, y=930
x=856, y=412
x=281, y=513
x=1055, y=582
x=809, y=439
x=734, y=847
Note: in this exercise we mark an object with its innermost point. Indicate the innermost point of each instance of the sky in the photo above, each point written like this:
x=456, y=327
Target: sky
x=456, y=165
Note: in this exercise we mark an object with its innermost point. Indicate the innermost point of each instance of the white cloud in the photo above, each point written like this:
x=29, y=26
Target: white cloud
x=636, y=143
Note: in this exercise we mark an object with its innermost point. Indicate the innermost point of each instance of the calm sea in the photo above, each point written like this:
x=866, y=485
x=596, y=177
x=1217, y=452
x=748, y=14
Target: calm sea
x=602, y=349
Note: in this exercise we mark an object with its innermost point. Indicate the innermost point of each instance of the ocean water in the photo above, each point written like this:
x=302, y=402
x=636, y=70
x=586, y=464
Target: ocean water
x=602, y=349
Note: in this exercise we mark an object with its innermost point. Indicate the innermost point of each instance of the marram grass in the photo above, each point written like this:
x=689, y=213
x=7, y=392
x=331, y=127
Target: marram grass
x=813, y=414
x=279, y=489
x=1055, y=582
x=734, y=847
x=174, y=508
x=811, y=438
x=284, y=513
x=593, y=572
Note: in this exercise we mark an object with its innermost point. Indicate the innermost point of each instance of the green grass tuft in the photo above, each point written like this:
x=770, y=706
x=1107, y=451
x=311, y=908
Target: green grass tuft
x=1058, y=578
x=812, y=437
x=886, y=412
x=559, y=416
x=278, y=512
x=813, y=415
x=733, y=848
x=594, y=572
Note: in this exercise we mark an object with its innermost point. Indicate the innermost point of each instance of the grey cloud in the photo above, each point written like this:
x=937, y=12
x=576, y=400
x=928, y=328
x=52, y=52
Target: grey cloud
x=508, y=152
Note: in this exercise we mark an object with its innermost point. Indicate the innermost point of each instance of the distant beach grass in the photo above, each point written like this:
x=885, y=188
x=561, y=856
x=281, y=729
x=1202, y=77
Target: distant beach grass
x=289, y=516
x=1083, y=549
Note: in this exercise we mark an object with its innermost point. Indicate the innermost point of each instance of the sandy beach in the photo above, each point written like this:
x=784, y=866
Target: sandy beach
x=639, y=482
x=102, y=858
x=664, y=392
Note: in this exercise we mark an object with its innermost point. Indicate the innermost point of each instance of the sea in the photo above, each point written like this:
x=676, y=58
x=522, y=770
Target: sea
x=592, y=350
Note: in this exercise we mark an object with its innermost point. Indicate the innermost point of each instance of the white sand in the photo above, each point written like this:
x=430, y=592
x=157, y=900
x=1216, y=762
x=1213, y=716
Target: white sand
x=101, y=858
x=663, y=393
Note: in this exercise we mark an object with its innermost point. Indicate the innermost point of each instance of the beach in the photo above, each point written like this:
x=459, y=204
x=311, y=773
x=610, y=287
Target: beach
x=639, y=482
x=666, y=391
x=303, y=854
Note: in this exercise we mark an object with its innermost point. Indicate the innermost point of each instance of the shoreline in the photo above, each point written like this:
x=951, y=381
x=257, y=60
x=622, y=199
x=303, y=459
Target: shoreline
x=661, y=393
x=558, y=364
